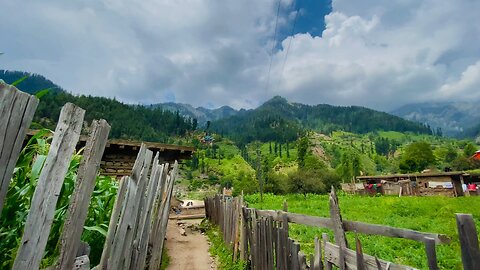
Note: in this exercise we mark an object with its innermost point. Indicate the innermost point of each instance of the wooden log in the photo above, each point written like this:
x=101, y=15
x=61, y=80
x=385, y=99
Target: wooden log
x=431, y=253
x=50, y=182
x=468, y=236
x=332, y=252
x=112, y=225
x=16, y=113
x=82, y=194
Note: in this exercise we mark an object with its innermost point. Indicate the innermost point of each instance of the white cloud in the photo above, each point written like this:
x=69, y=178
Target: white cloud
x=384, y=54
x=375, y=53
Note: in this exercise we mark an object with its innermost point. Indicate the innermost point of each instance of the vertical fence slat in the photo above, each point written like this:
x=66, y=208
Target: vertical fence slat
x=16, y=114
x=50, y=182
x=467, y=233
x=338, y=229
x=81, y=196
x=112, y=225
x=431, y=253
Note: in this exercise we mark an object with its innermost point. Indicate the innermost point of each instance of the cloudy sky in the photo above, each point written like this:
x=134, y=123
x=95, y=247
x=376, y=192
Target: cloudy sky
x=374, y=53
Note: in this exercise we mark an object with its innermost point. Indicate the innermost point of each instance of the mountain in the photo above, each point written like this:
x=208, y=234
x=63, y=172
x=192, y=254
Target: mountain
x=200, y=113
x=32, y=84
x=127, y=121
x=454, y=118
x=280, y=120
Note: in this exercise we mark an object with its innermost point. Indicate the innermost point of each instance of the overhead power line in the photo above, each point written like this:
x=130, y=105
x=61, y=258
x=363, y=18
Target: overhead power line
x=273, y=47
x=291, y=38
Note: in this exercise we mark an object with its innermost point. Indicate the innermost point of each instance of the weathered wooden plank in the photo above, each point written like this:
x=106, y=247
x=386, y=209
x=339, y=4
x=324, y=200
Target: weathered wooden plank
x=302, y=260
x=374, y=229
x=431, y=253
x=50, y=182
x=117, y=252
x=81, y=263
x=468, y=236
x=16, y=114
x=140, y=203
x=338, y=230
x=126, y=223
x=359, y=253
x=163, y=212
x=112, y=225
x=355, y=226
x=318, y=265
x=328, y=264
x=332, y=256
x=80, y=198
x=147, y=219
x=156, y=209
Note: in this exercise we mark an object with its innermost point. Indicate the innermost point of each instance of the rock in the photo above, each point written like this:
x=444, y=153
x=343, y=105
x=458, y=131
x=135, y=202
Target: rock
x=183, y=232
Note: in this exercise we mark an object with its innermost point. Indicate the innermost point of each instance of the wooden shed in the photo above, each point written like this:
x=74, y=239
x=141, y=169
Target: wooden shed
x=422, y=184
x=119, y=155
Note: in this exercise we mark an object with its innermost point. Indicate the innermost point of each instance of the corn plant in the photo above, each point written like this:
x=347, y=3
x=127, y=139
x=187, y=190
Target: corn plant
x=19, y=196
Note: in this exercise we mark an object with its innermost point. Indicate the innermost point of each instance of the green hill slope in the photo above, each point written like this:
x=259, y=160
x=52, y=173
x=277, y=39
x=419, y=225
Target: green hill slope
x=280, y=120
x=127, y=121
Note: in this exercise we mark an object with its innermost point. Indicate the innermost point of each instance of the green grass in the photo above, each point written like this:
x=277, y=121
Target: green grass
x=165, y=259
x=426, y=214
x=218, y=248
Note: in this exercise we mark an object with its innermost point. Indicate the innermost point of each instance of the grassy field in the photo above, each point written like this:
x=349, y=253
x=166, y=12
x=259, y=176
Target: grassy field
x=426, y=214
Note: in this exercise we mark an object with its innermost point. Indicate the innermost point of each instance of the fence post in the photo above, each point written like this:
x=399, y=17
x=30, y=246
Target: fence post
x=16, y=114
x=82, y=194
x=467, y=233
x=338, y=228
x=50, y=182
x=431, y=253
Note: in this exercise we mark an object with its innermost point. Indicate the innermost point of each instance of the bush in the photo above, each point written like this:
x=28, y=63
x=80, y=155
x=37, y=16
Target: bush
x=312, y=181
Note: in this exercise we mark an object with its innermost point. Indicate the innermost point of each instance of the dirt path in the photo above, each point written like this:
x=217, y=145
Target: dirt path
x=188, y=252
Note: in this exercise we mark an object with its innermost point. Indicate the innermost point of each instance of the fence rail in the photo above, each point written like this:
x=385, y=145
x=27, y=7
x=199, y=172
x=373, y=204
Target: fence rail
x=261, y=237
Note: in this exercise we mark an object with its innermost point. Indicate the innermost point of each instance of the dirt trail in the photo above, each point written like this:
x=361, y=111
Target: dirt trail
x=188, y=252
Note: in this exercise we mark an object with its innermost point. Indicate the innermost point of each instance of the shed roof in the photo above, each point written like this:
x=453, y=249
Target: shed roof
x=408, y=175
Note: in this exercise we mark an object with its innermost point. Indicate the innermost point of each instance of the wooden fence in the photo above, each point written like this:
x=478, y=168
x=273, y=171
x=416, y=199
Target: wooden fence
x=261, y=238
x=139, y=219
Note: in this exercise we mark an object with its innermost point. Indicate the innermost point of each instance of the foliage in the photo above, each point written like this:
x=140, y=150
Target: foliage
x=417, y=157
x=127, y=121
x=219, y=249
x=469, y=149
x=426, y=214
x=19, y=196
x=281, y=121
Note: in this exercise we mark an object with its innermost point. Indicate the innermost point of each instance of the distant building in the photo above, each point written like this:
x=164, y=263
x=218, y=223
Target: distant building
x=476, y=156
x=418, y=184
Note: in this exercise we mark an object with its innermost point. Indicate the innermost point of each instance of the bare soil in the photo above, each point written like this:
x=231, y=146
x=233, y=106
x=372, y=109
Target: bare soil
x=190, y=251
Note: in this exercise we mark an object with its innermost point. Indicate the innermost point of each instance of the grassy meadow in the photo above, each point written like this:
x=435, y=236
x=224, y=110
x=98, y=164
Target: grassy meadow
x=426, y=214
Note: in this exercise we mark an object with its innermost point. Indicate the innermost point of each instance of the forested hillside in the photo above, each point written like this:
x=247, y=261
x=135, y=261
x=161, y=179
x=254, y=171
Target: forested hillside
x=127, y=121
x=279, y=120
